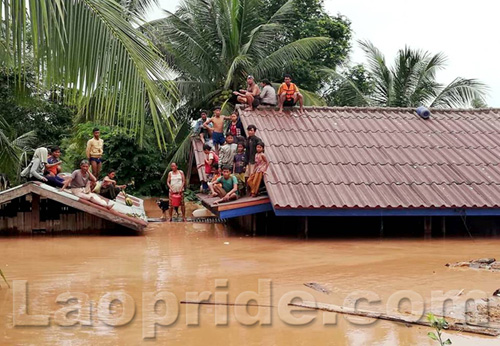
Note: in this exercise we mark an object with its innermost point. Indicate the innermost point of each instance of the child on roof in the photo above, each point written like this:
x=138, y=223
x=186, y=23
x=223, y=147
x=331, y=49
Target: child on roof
x=261, y=165
x=227, y=152
x=239, y=166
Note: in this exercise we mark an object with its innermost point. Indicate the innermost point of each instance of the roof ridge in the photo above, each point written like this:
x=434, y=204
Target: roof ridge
x=383, y=184
x=381, y=146
x=452, y=164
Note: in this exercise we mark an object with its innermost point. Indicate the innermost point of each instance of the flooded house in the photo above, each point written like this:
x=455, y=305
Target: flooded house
x=35, y=207
x=386, y=170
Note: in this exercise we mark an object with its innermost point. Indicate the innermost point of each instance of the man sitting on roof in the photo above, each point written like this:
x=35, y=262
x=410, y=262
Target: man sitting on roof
x=289, y=95
x=80, y=185
x=226, y=187
x=268, y=94
x=250, y=96
x=204, y=132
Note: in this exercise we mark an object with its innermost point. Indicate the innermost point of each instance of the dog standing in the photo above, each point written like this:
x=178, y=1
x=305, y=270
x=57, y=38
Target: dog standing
x=164, y=205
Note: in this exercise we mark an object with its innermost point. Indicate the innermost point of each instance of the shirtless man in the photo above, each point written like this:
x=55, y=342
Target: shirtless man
x=251, y=96
x=218, y=127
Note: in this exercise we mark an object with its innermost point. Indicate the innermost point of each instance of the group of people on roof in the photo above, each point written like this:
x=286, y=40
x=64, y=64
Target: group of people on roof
x=288, y=95
x=45, y=166
x=234, y=161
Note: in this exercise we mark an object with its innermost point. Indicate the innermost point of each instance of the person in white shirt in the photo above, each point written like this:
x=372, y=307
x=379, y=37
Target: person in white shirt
x=268, y=94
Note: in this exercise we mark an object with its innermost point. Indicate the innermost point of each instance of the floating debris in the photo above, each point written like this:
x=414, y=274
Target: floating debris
x=481, y=263
x=317, y=287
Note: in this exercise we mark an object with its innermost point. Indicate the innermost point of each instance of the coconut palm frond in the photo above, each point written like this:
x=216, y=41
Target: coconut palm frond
x=461, y=92
x=91, y=48
x=300, y=49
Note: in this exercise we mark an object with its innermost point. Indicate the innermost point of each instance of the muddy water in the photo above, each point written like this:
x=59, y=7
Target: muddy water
x=181, y=258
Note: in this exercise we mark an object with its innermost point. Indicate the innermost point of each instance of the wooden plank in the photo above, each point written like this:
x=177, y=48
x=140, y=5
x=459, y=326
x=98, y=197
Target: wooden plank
x=94, y=209
x=190, y=165
x=243, y=204
x=457, y=325
x=15, y=192
x=35, y=210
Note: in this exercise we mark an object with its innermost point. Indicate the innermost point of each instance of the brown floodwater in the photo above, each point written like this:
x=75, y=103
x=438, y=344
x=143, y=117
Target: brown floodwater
x=178, y=260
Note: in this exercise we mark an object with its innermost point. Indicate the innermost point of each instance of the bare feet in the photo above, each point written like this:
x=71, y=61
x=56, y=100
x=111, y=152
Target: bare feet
x=248, y=109
x=184, y=219
x=280, y=111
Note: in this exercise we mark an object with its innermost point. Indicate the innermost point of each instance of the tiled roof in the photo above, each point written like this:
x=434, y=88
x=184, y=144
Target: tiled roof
x=199, y=157
x=380, y=157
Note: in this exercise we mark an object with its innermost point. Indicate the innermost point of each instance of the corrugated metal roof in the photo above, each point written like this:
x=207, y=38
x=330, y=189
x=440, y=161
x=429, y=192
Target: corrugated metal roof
x=380, y=157
x=199, y=157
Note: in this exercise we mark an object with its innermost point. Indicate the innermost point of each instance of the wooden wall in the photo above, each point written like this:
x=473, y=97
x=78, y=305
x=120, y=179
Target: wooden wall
x=19, y=216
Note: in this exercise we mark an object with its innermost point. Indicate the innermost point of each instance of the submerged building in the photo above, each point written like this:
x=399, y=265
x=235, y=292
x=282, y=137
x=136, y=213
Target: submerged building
x=374, y=162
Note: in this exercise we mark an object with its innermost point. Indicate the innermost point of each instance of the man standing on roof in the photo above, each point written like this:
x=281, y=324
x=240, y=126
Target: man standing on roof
x=250, y=96
x=218, y=123
x=289, y=95
x=251, y=150
x=94, y=152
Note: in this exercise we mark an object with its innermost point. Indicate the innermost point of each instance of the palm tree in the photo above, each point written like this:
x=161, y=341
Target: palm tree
x=92, y=50
x=214, y=44
x=411, y=82
x=13, y=149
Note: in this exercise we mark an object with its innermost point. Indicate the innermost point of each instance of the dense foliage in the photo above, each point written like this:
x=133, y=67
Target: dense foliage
x=213, y=45
x=309, y=19
x=409, y=82
x=144, y=165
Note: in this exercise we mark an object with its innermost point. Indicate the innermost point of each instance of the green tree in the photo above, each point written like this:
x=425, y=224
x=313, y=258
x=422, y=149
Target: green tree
x=350, y=87
x=132, y=162
x=309, y=19
x=93, y=50
x=411, y=81
x=214, y=44
x=13, y=149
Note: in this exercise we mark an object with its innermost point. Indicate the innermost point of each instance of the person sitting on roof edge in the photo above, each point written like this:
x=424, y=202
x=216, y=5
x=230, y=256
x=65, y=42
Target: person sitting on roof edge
x=53, y=168
x=289, y=95
x=109, y=187
x=203, y=132
x=250, y=96
x=80, y=181
x=268, y=94
x=226, y=187
x=34, y=171
x=261, y=164
x=227, y=152
x=251, y=150
x=218, y=123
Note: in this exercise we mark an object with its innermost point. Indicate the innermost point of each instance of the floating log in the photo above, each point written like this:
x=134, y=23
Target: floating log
x=225, y=304
x=457, y=325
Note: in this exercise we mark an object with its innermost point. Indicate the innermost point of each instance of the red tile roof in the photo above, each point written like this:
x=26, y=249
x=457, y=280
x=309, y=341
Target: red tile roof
x=380, y=157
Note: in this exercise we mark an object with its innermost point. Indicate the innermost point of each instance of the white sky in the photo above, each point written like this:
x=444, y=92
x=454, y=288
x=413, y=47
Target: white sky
x=466, y=34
